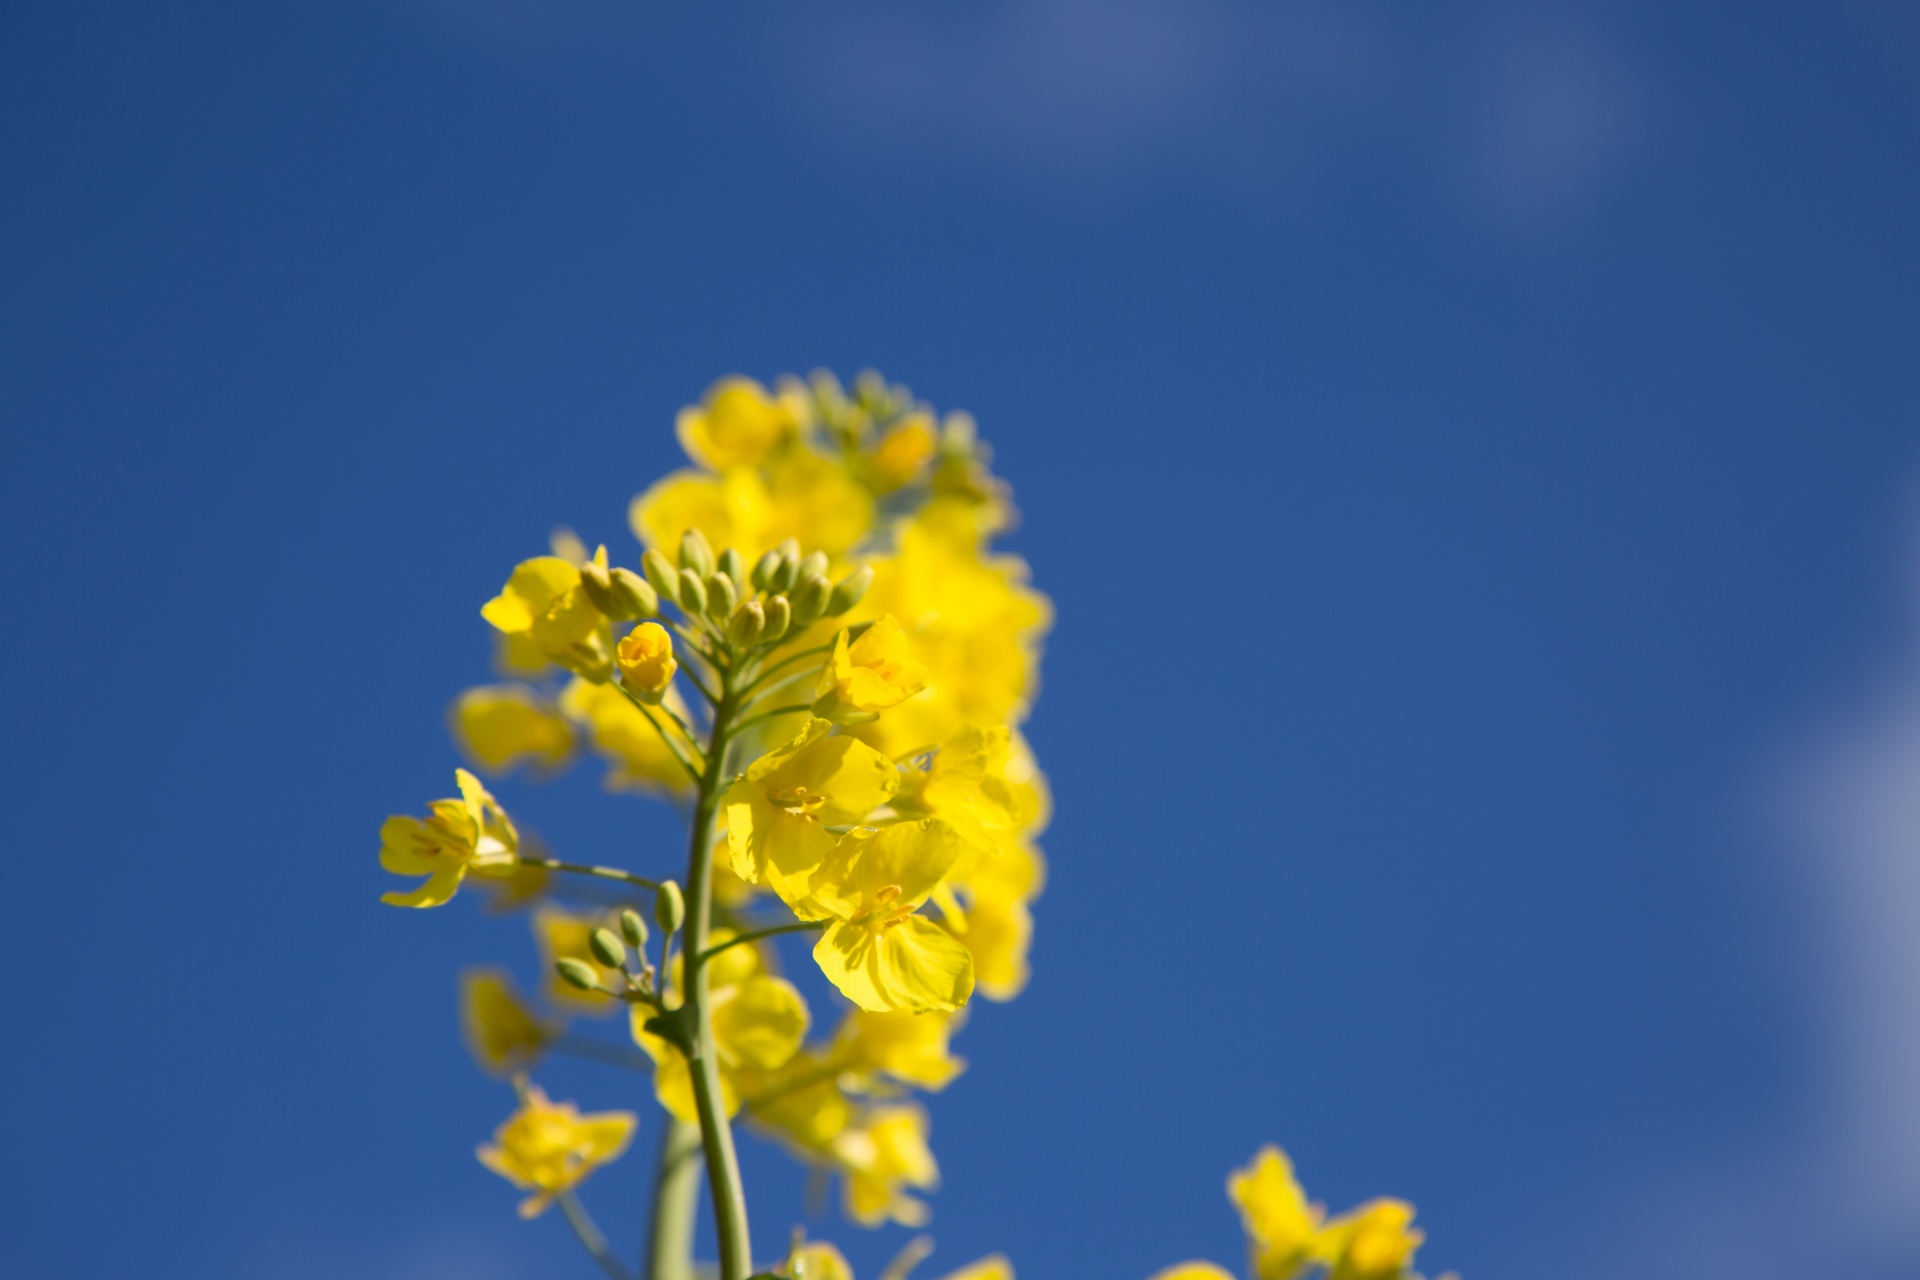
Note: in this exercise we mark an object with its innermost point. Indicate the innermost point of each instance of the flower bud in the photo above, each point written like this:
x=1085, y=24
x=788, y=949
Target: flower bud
x=731, y=564
x=607, y=949
x=747, y=624
x=578, y=973
x=633, y=594
x=661, y=573
x=695, y=553
x=669, y=908
x=849, y=590
x=779, y=618
x=810, y=599
x=721, y=596
x=764, y=570
x=813, y=565
x=693, y=593
x=634, y=929
x=597, y=583
x=788, y=571
x=646, y=661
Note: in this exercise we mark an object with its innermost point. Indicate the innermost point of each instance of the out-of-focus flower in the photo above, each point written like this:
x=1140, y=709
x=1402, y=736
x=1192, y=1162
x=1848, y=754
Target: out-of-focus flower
x=818, y=1260
x=759, y=1022
x=620, y=732
x=737, y=424
x=502, y=1033
x=1377, y=1241
x=883, y=1157
x=908, y=1047
x=869, y=675
x=562, y=935
x=547, y=1148
x=472, y=833
x=499, y=726
x=901, y=456
x=544, y=603
x=1281, y=1226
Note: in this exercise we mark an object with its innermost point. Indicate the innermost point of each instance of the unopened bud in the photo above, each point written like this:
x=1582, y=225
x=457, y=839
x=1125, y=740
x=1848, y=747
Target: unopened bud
x=669, y=908
x=747, y=623
x=788, y=571
x=810, y=599
x=813, y=565
x=607, y=949
x=633, y=594
x=692, y=593
x=779, y=618
x=634, y=929
x=646, y=661
x=695, y=554
x=578, y=973
x=721, y=596
x=731, y=564
x=598, y=585
x=849, y=590
x=661, y=573
x=764, y=569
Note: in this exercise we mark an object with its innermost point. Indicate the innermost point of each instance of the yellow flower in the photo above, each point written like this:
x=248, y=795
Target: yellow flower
x=1192, y=1271
x=562, y=935
x=501, y=1032
x=801, y=1103
x=778, y=813
x=881, y=1157
x=737, y=425
x=759, y=1022
x=985, y=783
x=997, y=931
x=882, y=955
x=903, y=453
x=472, y=833
x=498, y=726
x=818, y=1260
x=646, y=661
x=993, y=1267
x=1281, y=1226
x=866, y=677
x=911, y=1047
x=799, y=494
x=543, y=603
x=548, y=1149
x=1374, y=1242
x=623, y=734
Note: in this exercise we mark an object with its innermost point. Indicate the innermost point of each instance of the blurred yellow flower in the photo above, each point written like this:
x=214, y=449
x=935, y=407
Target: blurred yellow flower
x=646, y=661
x=1193, y=1271
x=562, y=935
x=880, y=1158
x=902, y=453
x=625, y=737
x=544, y=603
x=737, y=424
x=472, y=833
x=871, y=674
x=1282, y=1227
x=801, y=1103
x=799, y=494
x=993, y=1267
x=501, y=1032
x=909, y=1047
x=818, y=1260
x=1374, y=1242
x=547, y=1148
x=997, y=931
x=882, y=955
x=778, y=813
x=500, y=725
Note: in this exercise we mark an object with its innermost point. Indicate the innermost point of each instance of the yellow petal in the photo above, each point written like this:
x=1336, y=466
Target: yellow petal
x=763, y=1024
x=1193, y=1271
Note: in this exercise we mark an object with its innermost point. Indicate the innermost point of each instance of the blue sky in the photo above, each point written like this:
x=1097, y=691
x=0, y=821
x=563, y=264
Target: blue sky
x=1472, y=453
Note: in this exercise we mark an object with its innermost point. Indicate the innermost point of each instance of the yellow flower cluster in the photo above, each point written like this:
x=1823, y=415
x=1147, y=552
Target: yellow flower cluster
x=1287, y=1237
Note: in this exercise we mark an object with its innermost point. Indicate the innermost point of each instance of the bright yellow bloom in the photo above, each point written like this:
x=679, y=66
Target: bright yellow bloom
x=778, y=813
x=548, y=1149
x=818, y=1260
x=737, y=425
x=997, y=931
x=902, y=454
x=1282, y=1227
x=910, y=1047
x=501, y=1032
x=1193, y=1271
x=562, y=935
x=646, y=661
x=499, y=725
x=1374, y=1242
x=799, y=495
x=544, y=603
x=622, y=733
x=985, y=783
x=759, y=1022
x=871, y=674
x=800, y=1103
x=882, y=955
x=883, y=1156
x=993, y=1267
x=472, y=833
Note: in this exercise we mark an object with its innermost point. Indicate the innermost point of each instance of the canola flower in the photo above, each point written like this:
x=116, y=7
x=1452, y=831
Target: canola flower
x=816, y=656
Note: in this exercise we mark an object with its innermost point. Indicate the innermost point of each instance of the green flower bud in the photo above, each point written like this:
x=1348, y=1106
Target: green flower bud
x=764, y=570
x=721, y=596
x=789, y=568
x=849, y=590
x=661, y=573
x=813, y=565
x=634, y=594
x=810, y=600
x=669, y=908
x=744, y=628
x=734, y=566
x=634, y=929
x=607, y=949
x=597, y=583
x=779, y=618
x=695, y=554
x=578, y=973
x=692, y=593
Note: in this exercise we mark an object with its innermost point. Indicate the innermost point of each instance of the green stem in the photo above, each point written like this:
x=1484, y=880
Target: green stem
x=596, y=1244
x=716, y=1133
x=693, y=774
x=676, y=1201
x=604, y=873
x=758, y=934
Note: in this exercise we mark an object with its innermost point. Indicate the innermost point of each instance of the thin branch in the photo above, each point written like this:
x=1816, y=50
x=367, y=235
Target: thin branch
x=614, y=1055
x=590, y=1237
x=757, y=934
x=578, y=869
x=787, y=661
x=693, y=774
